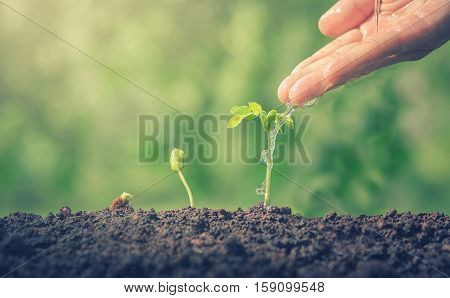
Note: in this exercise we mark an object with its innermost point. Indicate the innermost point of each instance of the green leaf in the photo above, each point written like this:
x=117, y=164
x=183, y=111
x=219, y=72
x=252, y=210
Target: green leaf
x=278, y=117
x=263, y=116
x=271, y=118
x=255, y=108
x=290, y=122
x=271, y=115
x=235, y=120
x=250, y=117
x=241, y=111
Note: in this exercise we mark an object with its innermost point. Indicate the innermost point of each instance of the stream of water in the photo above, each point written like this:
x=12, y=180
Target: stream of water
x=267, y=154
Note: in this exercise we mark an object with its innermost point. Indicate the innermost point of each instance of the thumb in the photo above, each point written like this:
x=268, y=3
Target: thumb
x=345, y=15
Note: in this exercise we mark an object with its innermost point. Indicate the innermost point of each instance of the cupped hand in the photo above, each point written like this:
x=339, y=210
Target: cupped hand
x=405, y=30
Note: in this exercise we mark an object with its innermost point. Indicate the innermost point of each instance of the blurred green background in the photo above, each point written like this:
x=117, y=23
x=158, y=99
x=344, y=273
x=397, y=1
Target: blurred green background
x=68, y=126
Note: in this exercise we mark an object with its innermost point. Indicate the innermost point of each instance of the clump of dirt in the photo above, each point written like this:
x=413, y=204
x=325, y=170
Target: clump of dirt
x=217, y=243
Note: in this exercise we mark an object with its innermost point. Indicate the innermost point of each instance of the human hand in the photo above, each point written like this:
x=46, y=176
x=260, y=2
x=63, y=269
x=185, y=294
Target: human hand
x=406, y=30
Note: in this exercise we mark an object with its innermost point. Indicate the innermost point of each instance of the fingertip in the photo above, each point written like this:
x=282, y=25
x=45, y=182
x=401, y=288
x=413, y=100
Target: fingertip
x=329, y=28
x=296, y=95
x=304, y=89
x=283, y=90
x=327, y=22
x=345, y=15
x=323, y=28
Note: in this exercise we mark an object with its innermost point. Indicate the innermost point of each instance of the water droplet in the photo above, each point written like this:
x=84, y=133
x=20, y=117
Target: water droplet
x=290, y=108
x=263, y=158
x=267, y=154
x=310, y=103
x=261, y=190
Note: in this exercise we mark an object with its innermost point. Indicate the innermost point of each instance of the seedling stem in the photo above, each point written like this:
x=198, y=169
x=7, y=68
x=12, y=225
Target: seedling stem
x=188, y=189
x=272, y=122
x=268, y=176
x=177, y=165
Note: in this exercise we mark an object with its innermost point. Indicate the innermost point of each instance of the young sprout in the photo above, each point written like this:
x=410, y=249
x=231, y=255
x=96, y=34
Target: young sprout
x=177, y=165
x=121, y=201
x=272, y=122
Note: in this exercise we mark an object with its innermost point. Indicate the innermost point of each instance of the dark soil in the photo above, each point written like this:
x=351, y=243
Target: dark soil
x=216, y=243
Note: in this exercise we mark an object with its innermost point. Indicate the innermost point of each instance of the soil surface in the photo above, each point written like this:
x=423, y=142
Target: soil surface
x=217, y=243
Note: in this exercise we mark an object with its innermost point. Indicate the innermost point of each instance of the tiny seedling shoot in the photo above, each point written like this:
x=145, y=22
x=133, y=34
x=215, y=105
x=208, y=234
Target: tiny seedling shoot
x=272, y=122
x=121, y=201
x=177, y=165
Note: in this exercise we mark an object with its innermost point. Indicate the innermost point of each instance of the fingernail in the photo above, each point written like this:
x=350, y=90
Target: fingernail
x=296, y=89
x=302, y=90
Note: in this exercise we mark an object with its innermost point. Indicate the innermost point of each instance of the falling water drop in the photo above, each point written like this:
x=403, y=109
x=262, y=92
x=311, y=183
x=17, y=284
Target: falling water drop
x=261, y=190
x=267, y=154
x=377, y=13
x=310, y=103
x=263, y=158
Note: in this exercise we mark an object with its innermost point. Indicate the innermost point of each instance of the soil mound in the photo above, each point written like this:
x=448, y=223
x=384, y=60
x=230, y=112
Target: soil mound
x=217, y=243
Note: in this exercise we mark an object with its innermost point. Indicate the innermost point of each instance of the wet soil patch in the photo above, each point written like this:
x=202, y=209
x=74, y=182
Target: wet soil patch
x=217, y=243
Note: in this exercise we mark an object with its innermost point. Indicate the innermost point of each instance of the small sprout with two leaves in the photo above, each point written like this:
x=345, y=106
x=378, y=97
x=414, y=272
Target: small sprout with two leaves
x=253, y=110
x=177, y=165
x=272, y=122
x=121, y=201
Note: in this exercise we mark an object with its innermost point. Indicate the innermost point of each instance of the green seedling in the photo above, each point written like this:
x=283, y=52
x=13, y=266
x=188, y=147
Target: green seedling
x=272, y=122
x=121, y=201
x=177, y=165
